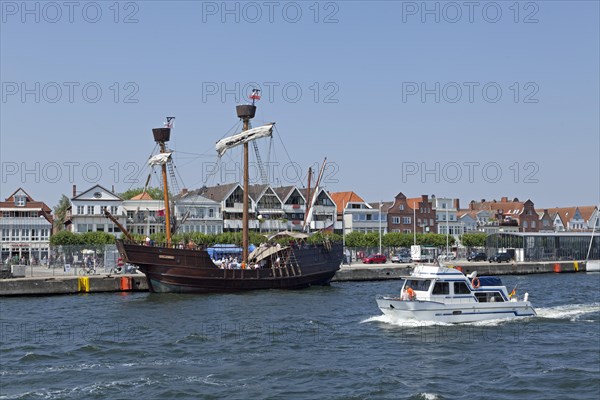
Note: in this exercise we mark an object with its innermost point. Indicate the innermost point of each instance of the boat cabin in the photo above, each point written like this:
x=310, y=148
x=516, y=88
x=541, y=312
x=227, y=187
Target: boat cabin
x=447, y=285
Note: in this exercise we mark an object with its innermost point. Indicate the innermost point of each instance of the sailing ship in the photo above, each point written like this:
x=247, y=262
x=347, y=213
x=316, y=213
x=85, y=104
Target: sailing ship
x=191, y=270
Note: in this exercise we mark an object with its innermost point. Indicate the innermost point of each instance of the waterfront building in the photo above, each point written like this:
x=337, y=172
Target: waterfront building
x=402, y=216
x=268, y=208
x=468, y=221
x=544, y=246
x=546, y=221
x=25, y=227
x=424, y=212
x=145, y=215
x=323, y=213
x=294, y=206
x=508, y=215
x=86, y=213
x=197, y=213
x=229, y=199
x=446, y=216
x=574, y=219
x=356, y=215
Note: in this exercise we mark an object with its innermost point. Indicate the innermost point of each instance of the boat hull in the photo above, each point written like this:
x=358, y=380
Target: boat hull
x=171, y=270
x=592, y=266
x=453, y=313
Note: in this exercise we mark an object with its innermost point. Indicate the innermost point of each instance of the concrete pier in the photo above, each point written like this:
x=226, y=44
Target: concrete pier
x=72, y=285
x=43, y=282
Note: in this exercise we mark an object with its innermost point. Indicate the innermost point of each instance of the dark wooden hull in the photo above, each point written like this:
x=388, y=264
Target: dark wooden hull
x=192, y=271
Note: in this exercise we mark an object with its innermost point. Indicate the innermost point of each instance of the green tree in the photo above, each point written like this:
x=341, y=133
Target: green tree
x=60, y=213
x=66, y=238
x=397, y=239
x=97, y=238
x=372, y=239
x=355, y=239
x=474, y=239
x=155, y=193
x=320, y=237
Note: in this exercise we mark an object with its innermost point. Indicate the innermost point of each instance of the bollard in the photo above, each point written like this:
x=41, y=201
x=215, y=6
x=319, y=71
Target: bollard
x=83, y=284
x=125, y=283
x=576, y=266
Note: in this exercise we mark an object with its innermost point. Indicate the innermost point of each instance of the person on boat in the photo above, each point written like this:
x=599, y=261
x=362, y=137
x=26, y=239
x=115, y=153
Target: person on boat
x=404, y=295
x=147, y=240
x=411, y=294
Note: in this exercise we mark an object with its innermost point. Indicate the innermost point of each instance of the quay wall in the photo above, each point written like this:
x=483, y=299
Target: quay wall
x=72, y=285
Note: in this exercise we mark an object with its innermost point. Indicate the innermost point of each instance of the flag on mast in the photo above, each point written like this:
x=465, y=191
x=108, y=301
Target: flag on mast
x=255, y=95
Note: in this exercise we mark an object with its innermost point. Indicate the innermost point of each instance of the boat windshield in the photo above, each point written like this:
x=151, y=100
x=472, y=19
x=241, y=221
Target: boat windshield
x=418, y=284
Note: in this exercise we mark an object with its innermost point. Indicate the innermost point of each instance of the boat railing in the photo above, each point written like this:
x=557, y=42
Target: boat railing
x=182, y=246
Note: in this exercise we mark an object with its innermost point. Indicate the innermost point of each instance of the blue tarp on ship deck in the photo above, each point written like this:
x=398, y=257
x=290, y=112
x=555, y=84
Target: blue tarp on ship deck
x=219, y=251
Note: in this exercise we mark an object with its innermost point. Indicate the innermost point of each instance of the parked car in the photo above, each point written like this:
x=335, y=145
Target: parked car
x=447, y=257
x=477, y=256
x=375, y=259
x=401, y=258
x=499, y=257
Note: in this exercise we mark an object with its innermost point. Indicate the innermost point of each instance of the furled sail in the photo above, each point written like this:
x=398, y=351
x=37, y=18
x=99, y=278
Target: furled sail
x=243, y=137
x=159, y=159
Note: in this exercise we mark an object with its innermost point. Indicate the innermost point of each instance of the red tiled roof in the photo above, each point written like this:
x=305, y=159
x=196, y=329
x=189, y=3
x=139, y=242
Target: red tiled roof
x=567, y=213
x=142, y=196
x=342, y=198
x=413, y=202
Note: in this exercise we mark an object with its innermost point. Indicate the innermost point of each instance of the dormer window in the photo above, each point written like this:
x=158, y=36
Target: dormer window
x=20, y=200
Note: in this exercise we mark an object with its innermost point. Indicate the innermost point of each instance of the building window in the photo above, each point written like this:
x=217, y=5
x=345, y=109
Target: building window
x=90, y=210
x=407, y=231
x=102, y=209
x=533, y=224
x=395, y=220
x=20, y=201
x=114, y=209
x=401, y=207
x=211, y=213
x=406, y=220
x=80, y=210
x=524, y=224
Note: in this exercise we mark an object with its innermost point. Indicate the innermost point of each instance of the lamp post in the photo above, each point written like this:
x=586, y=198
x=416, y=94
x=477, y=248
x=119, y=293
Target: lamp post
x=148, y=222
x=447, y=230
x=380, y=205
x=347, y=259
x=415, y=225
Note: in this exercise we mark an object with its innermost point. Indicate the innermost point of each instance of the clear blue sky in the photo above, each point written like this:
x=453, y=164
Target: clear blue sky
x=389, y=89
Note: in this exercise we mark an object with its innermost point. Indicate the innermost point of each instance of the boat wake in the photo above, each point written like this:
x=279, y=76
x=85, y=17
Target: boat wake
x=388, y=319
x=572, y=312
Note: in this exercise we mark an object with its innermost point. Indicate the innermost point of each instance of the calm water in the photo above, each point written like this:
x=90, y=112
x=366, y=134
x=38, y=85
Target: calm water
x=317, y=343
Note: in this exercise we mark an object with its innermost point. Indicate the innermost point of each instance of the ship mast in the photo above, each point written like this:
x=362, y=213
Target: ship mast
x=161, y=136
x=246, y=112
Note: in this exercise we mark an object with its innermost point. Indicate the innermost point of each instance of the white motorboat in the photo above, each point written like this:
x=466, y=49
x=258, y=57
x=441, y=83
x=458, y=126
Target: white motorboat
x=443, y=294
